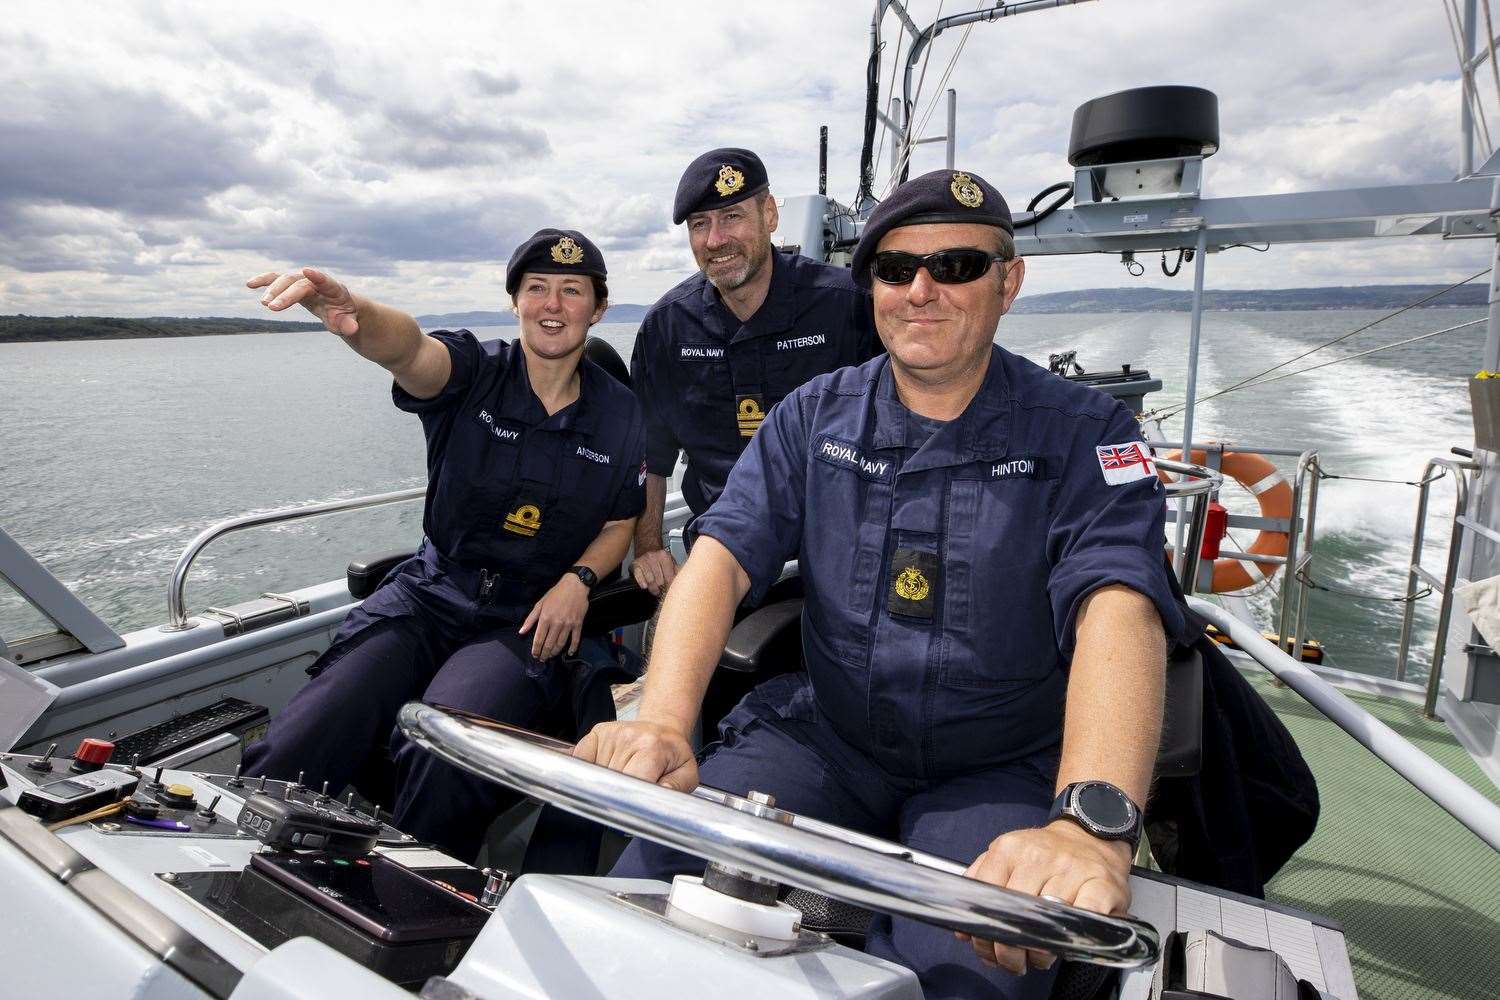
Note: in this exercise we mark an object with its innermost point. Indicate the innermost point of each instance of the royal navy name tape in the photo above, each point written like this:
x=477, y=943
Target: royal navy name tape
x=500, y=431
x=848, y=456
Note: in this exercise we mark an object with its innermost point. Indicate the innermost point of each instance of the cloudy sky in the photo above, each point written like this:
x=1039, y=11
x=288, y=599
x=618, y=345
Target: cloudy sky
x=153, y=155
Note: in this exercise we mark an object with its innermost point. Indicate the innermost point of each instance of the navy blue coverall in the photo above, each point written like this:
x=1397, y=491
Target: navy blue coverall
x=706, y=380
x=944, y=564
x=514, y=496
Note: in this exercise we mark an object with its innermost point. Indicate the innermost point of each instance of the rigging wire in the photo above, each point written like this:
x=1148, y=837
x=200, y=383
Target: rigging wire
x=1172, y=412
x=913, y=134
x=1325, y=364
x=890, y=89
x=1471, y=93
x=1303, y=577
x=906, y=112
x=1489, y=38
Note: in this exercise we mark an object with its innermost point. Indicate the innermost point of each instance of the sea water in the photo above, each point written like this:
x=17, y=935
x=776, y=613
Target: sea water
x=114, y=454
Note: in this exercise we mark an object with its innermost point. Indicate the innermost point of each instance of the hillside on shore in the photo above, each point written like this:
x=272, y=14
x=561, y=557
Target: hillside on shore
x=16, y=329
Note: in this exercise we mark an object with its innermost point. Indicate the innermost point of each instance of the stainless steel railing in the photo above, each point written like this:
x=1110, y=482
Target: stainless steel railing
x=1464, y=803
x=177, y=616
x=1460, y=472
x=1298, y=527
x=1202, y=486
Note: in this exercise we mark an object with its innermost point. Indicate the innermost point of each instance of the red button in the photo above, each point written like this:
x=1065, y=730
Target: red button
x=93, y=751
x=362, y=861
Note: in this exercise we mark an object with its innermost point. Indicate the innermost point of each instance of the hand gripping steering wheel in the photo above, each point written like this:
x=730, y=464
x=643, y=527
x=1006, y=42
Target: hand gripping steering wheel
x=747, y=835
x=853, y=867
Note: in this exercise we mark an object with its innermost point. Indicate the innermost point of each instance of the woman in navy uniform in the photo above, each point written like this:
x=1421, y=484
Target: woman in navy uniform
x=535, y=463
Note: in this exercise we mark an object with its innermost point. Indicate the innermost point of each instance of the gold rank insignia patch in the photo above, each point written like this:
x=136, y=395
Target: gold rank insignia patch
x=525, y=520
x=749, y=411
x=911, y=585
x=730, y=180
x=916, y=576
x=965, y=191
x=567, y=251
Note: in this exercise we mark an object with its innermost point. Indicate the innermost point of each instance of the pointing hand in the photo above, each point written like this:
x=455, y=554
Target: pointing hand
x=322, y=296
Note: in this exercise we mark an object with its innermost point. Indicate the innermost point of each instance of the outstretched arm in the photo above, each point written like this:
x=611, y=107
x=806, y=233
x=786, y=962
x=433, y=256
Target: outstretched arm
x=386, y=336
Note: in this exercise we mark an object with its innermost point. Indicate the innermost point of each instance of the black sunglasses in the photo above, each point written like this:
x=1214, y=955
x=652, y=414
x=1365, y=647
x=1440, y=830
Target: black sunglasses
x=947, y=267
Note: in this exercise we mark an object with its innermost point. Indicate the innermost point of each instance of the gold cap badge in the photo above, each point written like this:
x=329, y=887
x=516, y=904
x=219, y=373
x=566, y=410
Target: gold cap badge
x=730, y=180
x=524, y=520
x=965, y=191
x=566, y=251
x=911, y=585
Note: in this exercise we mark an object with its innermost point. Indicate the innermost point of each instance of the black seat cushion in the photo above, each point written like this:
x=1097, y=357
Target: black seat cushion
x=366, y=575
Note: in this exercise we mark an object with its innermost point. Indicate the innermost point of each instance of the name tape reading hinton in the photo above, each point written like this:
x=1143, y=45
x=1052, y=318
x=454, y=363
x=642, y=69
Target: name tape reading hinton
x=848, y=456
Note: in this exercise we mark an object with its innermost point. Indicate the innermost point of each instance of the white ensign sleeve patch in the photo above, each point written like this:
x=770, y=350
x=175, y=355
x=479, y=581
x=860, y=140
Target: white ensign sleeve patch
x=1125, y=463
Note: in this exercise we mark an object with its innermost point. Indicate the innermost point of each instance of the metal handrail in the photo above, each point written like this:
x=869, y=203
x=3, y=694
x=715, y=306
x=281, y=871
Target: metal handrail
x=1201, y=489
x=1453, y=795
x=1299, y=545
x=1415, y=572
x=859, y=870
x=1307, y=464
x=177, y=617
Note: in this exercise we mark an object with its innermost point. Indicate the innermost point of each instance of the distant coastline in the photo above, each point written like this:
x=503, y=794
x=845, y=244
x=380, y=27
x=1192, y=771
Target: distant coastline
x=30, y=329
x=17, y=329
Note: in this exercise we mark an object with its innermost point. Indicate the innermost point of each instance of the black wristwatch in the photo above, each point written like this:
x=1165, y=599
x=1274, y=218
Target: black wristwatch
x=1101, y=809
x=589, y=578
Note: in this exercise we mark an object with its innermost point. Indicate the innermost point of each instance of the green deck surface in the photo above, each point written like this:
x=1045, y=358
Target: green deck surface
x=1417, y=893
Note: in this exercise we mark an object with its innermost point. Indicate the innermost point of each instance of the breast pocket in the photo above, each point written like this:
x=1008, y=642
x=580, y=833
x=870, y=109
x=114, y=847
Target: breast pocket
x=481, y=462
x=998, y=611
x=788, y=368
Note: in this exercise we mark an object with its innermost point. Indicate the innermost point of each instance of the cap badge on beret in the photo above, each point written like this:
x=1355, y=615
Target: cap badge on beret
x=566, y=251
x=730, y=180
x=965, y=191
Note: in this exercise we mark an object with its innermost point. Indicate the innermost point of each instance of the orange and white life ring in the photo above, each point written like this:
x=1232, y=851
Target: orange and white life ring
x=1274, y=494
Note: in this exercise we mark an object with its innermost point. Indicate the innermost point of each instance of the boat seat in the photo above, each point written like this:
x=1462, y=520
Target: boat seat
x=365, y=575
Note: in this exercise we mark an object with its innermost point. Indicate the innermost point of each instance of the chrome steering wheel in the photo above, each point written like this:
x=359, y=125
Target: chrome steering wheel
x=857, y=869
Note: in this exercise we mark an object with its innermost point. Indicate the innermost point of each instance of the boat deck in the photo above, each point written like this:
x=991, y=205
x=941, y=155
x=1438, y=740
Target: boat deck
x=1417, y=893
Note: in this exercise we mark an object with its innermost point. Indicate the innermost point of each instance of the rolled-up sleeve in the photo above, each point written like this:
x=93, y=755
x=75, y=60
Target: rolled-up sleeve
x=467, y=356
x=1103, y=533
x=759, y=516
x=645, y=358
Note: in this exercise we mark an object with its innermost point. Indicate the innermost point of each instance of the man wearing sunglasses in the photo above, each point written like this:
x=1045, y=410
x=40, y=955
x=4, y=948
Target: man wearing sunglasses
x=716, y=352
x=981, y=545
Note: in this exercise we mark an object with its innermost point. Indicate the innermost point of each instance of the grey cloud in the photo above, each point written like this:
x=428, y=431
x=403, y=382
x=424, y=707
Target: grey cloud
x=93, y=145
x=367, y=238
x=447, y=137
x=495, y=84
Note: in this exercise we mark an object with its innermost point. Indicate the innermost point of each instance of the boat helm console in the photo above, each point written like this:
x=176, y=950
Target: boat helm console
x=256, y=889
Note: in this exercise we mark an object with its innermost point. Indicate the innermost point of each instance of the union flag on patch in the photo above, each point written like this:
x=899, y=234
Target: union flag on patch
x=1125, y=463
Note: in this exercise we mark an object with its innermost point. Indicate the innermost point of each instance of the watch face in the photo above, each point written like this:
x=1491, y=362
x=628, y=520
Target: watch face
x=1103, y=805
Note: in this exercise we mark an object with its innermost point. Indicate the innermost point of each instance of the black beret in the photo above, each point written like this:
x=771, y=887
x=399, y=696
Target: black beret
x=939, y=196
x=554, y=251
x=718, y=178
